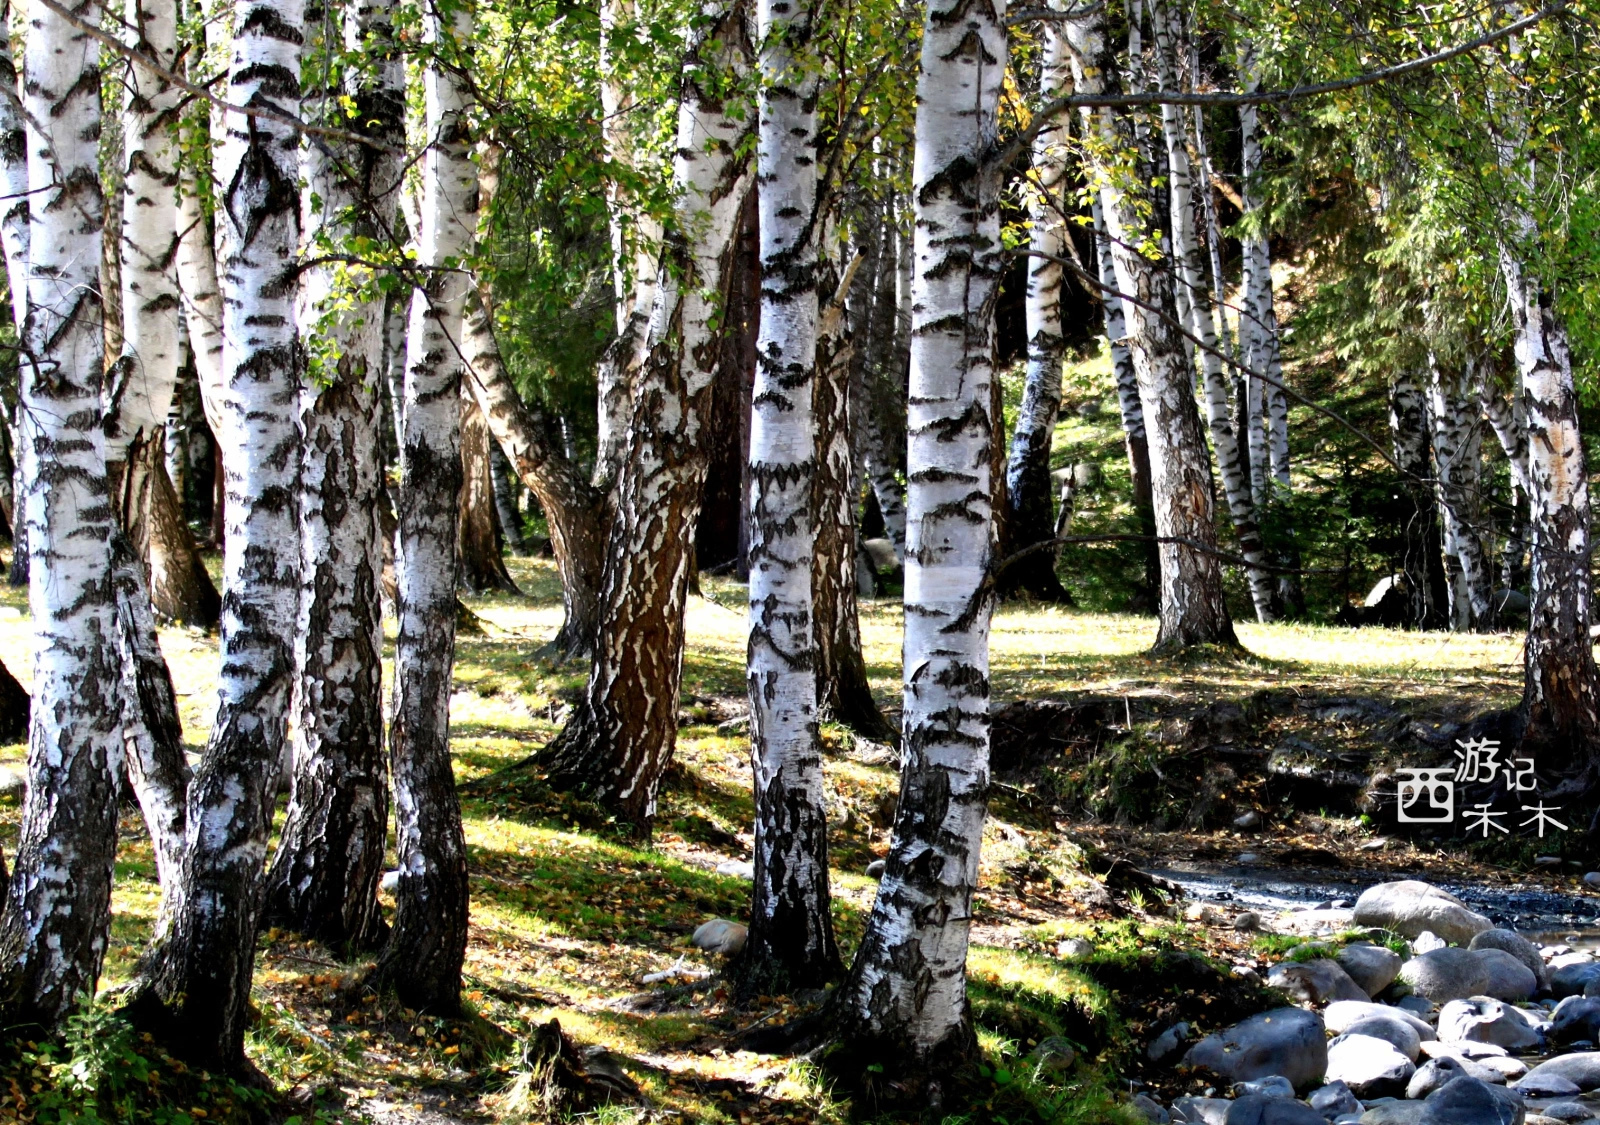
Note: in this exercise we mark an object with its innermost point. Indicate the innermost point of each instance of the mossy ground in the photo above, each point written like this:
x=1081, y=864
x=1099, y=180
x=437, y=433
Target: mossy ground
x=567, y=915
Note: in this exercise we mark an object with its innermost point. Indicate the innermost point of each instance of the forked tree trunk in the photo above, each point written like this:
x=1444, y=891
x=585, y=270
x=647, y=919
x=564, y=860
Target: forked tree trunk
x=571, y=507
x=1134, y=435
x=791, y=944
x=54, y=931
x=844, y=694
x=1030, y=512
x=180, y=587
x=1423, y=561
x=1454, y=408
x=196, y=989
x=1192, y=273
x=323, y=881
x=422, y=962
x=1193, y=609
x=904, y=1006
x=620, y=738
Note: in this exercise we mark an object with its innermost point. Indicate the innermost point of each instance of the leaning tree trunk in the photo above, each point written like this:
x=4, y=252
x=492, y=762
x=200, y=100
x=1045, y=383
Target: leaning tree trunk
x=1030, y=516
x=323, y=881
x=620, y=738
x=1561, y=689
x=904, y=1007
x=844, y=694
x=483, y=566
x=791, y=944
x=196, y=989
x=1193, y=609
x=1134, y=436
x=571, y=508
x=54, y=932
x=1423, y=561
x=1192, y=272
x=1454, y=405
x=422, y=962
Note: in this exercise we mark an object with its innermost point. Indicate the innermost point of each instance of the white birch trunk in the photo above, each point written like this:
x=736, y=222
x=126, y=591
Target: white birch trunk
x=906, y=999
x=1030, y=518
x=1454, y=406
x=1255, y=337
x=423, y=959
x=1202, y=325
x=140, y=396
x=196, y=266
x=53, y=936
x=791, y=941
x=196, y=991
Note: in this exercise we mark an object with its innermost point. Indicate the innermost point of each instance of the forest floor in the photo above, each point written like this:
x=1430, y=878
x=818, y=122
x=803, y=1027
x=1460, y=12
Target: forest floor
x=567, y=916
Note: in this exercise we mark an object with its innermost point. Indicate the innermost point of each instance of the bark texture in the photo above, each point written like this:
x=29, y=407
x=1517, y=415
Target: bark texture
x=53, y=934
x=1192, y=608
x=422, y=962
x=196, y=989
x=483, y=567
x=1455, y=394
x=791, y=943
x=1423, y=561
x=905, y=1004
x=620, y=738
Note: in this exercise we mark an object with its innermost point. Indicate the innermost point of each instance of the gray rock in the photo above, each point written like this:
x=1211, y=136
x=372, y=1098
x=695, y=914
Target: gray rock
x=1466, y=1101
x=1575, y=1018
x=13, y=782
x=1200, y=1111
x=1547, y=1086
x=1445, y=974
x=1248, y=920
x=1167, y=1044
x=1472, y=1068
x=1571, y=979
x=1247, y=821
x=1509, y=1069
x=1432, y=1075
x=876, y=868
x=1333, y=1099
x=1427, y=941
x=1592, y=878
x=1419, y=1006
x=1053, y=1055
x=1150, y=1109
x=1257, y=1110
x=1519, y=947
x=738, y=869
x=1272, y=1086
x=1073, y=948
x=720, y=936
x=1468, y=1049
x=1342, y=1015
x=1314, y=982
x=1485, y=1020
x=1402, y=1035
x=1409, y=907
x=1286, y=1041
x=1392, y=1113
x=1371, y=966
x=1509, y=978
x=1581, y=1068
x=1248, y=857
x=1568, y=1111
x=1371, y=1067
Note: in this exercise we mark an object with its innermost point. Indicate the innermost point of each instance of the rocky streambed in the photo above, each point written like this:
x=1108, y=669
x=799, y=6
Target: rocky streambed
x=1441, y=1013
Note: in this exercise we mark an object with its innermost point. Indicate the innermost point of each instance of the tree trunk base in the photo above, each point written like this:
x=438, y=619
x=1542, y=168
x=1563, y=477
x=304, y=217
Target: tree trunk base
x=556, y=1079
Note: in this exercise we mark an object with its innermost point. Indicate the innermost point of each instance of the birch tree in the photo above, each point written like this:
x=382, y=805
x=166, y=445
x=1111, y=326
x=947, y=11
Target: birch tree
x=53, y=934
x=1029, y=493
x=620, y=737
x=1192, y=608
x=14, y=223
x=196, y=986
x=422, y=962
x=1192, y=276
x=904, y=1005
x=791, y=942
x=1454, y=408
x=1412, y=448
x=323, y=881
